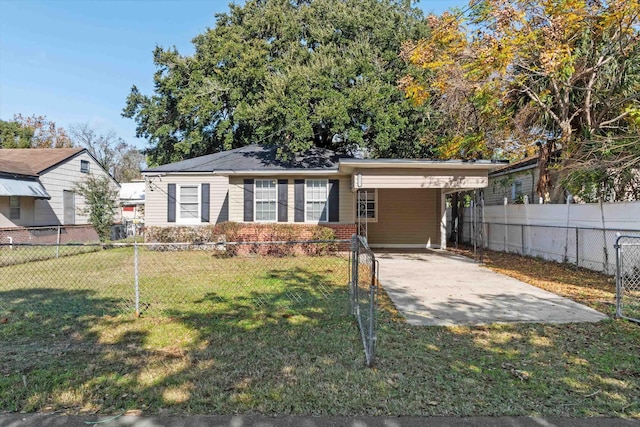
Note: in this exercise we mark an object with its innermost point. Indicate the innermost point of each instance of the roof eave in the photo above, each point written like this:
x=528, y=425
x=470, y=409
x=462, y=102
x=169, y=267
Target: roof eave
x=348, y=166
x=248, y=172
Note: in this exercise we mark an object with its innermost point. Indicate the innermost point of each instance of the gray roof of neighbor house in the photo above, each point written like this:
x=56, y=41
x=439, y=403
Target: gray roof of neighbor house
x=254, y=158
x=33, y=161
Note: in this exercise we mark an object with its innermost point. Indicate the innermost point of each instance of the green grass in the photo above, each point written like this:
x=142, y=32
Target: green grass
x=271, y=335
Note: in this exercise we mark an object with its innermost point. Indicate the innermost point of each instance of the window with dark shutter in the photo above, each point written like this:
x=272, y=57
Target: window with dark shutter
x=171, y=203
x=248, y=200
x=283, y=196
x=204, y=202
x=334, y=200
x=298, y=195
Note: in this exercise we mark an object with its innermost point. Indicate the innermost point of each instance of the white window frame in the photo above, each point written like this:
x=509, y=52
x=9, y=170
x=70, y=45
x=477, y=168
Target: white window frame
x=12, y=208
x=514, y=189
x=373, y=191
x=307, y=200
x=179, y=218
x=85, y=162
x=255, y=200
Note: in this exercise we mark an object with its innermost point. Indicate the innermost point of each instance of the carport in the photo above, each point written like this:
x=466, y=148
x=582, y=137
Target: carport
x=438, y=288
x=401, y=202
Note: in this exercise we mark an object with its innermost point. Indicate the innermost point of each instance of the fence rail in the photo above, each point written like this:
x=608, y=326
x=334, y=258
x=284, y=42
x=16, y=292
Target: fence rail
x=628, y=277
x=173, y=279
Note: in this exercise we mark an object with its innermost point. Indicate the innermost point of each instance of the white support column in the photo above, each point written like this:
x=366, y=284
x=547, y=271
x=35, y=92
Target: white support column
x=443, y=220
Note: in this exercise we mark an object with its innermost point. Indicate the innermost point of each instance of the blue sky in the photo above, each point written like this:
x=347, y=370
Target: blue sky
x=75, y=61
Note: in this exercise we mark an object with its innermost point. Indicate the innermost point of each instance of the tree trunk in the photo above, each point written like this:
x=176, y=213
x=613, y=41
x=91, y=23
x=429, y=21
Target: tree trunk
x=544, y=180
x=454, y=216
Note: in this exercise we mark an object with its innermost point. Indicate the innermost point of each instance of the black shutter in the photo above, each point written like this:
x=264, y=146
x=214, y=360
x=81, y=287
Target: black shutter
x=283, y=202
x=334, y=200
x=299, y=200
x=248, y=200
x=171, y=203
x=204, y=205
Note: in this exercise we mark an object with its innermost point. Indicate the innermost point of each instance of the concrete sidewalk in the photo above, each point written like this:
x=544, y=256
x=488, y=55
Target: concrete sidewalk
x=434, y=287
x=37, y=420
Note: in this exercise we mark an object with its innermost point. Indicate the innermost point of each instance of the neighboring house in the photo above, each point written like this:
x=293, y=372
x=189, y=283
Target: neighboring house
x=132, y=200
x=37, y=186
x=519, y=179
x=513, y=181
x=404, y=206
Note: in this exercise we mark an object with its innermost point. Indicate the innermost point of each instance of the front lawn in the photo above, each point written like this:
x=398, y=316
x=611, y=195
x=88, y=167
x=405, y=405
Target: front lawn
x=272, y=336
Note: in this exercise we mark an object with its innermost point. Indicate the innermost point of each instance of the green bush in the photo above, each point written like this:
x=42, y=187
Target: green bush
x=250, y=236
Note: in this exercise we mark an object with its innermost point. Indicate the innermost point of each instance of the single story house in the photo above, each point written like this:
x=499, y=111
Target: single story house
x=513, y=181
x=402, y=201
x=37, y=186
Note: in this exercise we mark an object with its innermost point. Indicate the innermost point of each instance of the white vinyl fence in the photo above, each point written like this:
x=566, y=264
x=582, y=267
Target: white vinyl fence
x=582, y=234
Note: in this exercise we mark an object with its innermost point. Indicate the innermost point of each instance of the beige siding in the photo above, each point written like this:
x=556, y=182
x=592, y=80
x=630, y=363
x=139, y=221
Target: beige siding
x=156, y=197
x=403, y=178
x=407, y=217
x=62, y=177
x=26, y=213
x=236, y=197
x=500, y=187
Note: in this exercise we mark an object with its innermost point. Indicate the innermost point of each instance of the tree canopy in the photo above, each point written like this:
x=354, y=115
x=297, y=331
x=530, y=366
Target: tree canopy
x=296, y=73
x=564, y=75
x=32, y=132
x=123, y=161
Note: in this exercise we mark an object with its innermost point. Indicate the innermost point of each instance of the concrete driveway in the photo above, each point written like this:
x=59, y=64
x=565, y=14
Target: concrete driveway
x=434, y=287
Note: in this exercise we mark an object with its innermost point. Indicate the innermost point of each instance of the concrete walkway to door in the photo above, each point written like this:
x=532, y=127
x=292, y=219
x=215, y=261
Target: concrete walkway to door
x=434, y=287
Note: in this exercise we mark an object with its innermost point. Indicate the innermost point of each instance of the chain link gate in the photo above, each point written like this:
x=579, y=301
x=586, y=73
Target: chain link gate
x=363, y=291
x=628, y=277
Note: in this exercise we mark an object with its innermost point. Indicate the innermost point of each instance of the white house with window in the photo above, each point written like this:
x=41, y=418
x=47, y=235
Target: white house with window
x=402, y=200
x=37, y=186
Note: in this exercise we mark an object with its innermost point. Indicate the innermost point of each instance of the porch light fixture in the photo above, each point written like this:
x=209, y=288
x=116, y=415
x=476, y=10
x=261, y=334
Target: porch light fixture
x=359, y=180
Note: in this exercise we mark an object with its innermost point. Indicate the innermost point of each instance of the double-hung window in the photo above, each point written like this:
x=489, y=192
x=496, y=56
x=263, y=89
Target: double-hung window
x=266, y=200
x=14, y=207
x=189, y=204
x=316, y=200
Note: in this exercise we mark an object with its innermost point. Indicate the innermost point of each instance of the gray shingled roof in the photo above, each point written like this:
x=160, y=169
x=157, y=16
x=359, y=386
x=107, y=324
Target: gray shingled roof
x=253, y=158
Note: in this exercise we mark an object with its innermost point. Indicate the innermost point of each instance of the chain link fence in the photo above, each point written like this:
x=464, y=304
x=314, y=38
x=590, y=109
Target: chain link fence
x=591, y=248
x=364, y=291
x=180, y=279
x=59, y=234
x=628, y=277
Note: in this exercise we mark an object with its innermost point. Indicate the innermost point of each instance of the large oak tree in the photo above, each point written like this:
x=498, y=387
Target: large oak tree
x=295, y=73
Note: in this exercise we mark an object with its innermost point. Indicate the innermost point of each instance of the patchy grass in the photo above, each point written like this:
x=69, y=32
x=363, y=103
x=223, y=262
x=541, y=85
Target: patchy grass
x=261, y=348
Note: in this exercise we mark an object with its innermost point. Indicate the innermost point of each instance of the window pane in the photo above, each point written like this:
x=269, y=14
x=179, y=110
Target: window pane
x=266, y=198
x=266, y=211
x=316, y=211
x=189, y=210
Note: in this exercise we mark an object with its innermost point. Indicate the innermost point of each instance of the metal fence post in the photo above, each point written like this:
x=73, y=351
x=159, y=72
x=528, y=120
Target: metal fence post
x=58, y=243
x=353, y=291
x=372, y=310
x=135, y=278
x=618, y=249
